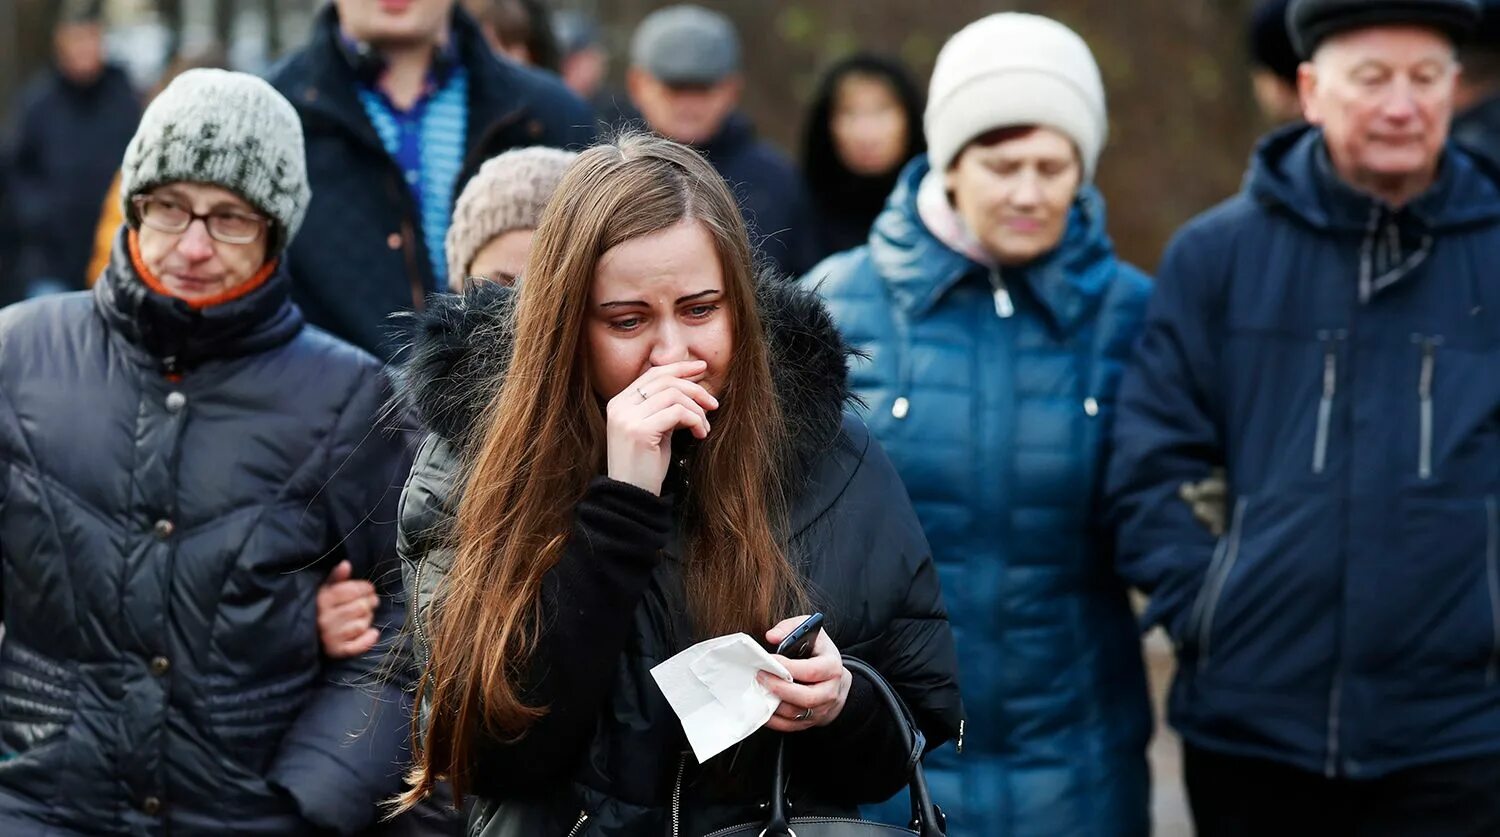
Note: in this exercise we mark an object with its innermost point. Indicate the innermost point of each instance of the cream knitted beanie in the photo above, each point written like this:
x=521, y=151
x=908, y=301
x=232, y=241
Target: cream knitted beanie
x=1013, y=69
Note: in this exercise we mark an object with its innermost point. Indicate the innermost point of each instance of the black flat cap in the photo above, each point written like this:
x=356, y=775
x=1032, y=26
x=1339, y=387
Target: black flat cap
x=1270, y=46
x=1309, y=22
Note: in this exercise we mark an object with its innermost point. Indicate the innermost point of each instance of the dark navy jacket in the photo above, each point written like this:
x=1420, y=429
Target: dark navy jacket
x=1342, y=361
x=360, y=255
x=68, y=145
x=997, y=425
x=162, y=542
x=770, y=192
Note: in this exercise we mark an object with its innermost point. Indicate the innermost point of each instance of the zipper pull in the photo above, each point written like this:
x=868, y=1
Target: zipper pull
x=1004, y=307
x=900, y=407
x=960, y=747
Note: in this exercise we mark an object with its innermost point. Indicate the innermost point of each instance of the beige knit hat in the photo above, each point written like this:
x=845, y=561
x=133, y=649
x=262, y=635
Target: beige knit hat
x=509, y=193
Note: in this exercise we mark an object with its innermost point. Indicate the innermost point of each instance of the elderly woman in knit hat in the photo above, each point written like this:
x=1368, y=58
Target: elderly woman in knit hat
x=497, y=213
x=995, y=318
x=182, y=464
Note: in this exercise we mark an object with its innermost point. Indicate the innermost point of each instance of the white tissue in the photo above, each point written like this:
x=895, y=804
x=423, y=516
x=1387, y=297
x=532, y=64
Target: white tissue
x=712, y=688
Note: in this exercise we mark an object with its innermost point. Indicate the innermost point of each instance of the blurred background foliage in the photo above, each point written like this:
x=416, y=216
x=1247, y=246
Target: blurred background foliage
x=1182, y=119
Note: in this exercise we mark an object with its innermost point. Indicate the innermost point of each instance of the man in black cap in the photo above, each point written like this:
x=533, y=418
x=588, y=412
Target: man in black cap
x=1477, y=126
x=685, y=80
x=1274, y=62
x=1331, y=338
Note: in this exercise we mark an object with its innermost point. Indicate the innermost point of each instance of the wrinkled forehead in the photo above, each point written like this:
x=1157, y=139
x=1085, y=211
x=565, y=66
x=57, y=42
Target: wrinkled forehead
x=1386, y=46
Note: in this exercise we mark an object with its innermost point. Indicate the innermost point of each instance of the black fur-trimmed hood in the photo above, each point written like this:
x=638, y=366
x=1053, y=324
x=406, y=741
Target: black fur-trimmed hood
x=459, y=348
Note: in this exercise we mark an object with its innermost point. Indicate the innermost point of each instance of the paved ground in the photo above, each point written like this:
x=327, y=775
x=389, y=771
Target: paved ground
x=1169, y=803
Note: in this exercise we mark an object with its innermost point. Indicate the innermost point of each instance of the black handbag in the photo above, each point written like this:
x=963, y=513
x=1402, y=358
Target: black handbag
x=927, y=819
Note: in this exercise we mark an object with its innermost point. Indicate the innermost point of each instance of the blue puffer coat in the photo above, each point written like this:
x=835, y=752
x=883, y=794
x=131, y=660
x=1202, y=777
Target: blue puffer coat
x=1342, y=361
x=992, y=394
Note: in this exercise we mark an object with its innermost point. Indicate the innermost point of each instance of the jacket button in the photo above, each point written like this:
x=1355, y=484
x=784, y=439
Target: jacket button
x=900, y=407
x=160, y=666
x=175, y=402
x=151, y=806
x=393, y=241
x=163, y=529
x=1091, y=406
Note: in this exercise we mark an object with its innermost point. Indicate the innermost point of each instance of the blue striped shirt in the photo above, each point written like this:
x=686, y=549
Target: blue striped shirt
x=427, y=141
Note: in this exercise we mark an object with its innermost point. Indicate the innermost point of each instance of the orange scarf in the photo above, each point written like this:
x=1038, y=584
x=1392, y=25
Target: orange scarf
x=240, y=290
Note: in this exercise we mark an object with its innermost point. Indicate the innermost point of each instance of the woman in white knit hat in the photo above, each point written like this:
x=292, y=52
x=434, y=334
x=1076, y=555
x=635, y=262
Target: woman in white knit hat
x=996, y=319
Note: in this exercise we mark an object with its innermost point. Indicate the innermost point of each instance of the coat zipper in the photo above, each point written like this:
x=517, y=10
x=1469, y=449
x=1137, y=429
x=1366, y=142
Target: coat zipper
x=416, y=623
x=1219, y=580
x=1424, y=392
x=677, y=796
x=1005, y=308
x=1325, y=404
x=1335, y=697
x=577, y=829
x=1492, y=568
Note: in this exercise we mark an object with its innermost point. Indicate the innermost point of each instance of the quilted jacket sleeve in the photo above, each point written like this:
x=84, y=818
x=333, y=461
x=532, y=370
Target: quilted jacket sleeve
x=1166, y=434
x=346, y=751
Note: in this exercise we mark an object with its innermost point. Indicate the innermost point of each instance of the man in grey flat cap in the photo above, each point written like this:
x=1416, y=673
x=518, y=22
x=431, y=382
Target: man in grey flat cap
x=685, y=80
x=1330, y=338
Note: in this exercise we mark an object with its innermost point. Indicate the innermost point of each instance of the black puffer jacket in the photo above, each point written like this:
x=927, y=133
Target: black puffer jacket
x=174, y=487
x=610, y=747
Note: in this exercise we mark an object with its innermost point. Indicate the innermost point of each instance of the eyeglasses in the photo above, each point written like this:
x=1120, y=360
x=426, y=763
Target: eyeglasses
x=168, y=216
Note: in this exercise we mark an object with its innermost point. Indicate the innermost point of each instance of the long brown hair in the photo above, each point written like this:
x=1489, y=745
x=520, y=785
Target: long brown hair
x=543, y=440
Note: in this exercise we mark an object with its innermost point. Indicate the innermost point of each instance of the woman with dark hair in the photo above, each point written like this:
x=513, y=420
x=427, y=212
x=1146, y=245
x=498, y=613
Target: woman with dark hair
x=637, y=448
x=866, y=123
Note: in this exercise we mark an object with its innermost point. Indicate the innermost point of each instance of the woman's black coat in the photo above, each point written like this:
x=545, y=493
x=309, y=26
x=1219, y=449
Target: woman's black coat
x=610, y=747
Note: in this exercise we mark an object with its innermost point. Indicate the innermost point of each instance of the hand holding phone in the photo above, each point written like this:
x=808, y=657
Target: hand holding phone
x=798, y=645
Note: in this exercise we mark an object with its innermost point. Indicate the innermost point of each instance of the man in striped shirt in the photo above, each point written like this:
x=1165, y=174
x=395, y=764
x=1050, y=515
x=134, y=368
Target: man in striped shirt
x=400, y=101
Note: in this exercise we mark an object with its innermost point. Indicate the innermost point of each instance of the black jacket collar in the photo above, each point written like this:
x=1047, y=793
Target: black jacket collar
x=459, y=349
x=326, y=90
x=180, y=337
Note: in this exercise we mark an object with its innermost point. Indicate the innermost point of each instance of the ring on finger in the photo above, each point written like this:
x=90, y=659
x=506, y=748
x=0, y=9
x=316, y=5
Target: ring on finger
x=803, y=715
x=641, y=393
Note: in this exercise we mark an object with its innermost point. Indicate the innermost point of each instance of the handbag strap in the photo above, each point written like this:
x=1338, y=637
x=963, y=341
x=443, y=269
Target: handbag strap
x=926, y=818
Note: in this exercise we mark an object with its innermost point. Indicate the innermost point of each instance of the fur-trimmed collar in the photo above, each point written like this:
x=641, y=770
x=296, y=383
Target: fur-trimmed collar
x=459, y=348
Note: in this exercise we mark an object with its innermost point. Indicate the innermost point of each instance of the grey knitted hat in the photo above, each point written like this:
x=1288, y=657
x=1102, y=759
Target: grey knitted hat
x=226, y=129
x=508, y=193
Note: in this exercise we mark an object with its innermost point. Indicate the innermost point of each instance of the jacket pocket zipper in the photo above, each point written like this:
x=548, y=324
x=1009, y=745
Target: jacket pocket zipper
x=1216, y=581
x=1325, y=404
x=1424, y=393
x=1492, y=570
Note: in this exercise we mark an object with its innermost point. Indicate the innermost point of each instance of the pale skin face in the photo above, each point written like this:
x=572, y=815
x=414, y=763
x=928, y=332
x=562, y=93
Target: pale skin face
x=1384, y=99
x=386, y=23
x=503, y=257
x=868, y=125
x=79, y=50
x=192, y=265
x=1015, y=195
x=1277, y=99
x=657, y=300
x=689, y=114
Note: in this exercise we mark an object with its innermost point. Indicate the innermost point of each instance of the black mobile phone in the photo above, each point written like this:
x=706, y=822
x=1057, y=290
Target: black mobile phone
x=799, y=643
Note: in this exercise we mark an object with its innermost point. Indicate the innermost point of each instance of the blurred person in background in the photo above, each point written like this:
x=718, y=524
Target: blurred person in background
x=1477, y=124
x=1330, y=337
x=685, y=79
x=112, y=214
x=184, y=463
x=72, y=125
x=995, y=320
x=1273, y=63
x=400, y=103
x=520, y=30
x=865, y=124
x=498, y=212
